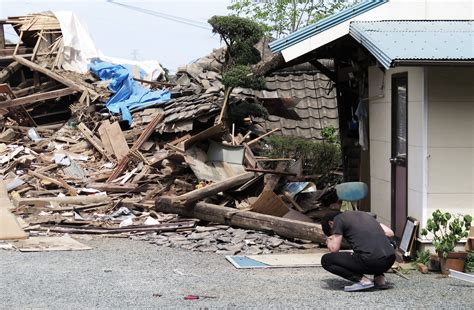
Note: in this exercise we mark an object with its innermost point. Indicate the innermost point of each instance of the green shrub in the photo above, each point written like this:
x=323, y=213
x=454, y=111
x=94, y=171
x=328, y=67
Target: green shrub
x=319, y=158
x=422, y=257
x=469, y=267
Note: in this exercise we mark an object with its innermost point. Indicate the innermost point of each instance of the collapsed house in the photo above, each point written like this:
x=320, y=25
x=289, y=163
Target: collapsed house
x=120, y=149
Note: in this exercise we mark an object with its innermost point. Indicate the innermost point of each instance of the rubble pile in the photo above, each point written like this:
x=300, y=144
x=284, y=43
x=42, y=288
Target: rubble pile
x=171, y=174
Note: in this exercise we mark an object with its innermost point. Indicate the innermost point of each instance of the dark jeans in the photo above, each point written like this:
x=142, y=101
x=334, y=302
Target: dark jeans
x=352, y=266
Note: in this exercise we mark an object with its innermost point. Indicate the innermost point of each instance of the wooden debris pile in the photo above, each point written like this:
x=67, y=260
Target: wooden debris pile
x=70, y=166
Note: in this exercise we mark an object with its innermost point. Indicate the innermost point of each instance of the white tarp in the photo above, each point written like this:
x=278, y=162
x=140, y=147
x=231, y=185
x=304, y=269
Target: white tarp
x=79, y=49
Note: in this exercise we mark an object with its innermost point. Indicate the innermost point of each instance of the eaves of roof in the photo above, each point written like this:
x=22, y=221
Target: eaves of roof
x=324, y=24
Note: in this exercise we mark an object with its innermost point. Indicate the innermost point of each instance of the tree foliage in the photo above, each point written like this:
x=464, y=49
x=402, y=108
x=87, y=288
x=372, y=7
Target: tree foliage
x=240, y=35
x=242, y=76
x=281, y=17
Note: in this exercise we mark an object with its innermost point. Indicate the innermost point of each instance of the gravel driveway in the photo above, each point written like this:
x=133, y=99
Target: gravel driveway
x=125, y=274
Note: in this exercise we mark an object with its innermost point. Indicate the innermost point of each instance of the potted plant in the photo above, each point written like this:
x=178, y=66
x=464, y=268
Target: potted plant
x=447, y=230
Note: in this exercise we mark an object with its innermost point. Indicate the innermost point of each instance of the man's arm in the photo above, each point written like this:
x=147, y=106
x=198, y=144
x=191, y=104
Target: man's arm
x=388, y=232
x=334, y=243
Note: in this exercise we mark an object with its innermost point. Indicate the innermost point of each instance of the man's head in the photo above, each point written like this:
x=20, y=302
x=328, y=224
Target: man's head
x=328, y=220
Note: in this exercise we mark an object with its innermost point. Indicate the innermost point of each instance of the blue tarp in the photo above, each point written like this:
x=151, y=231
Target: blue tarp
x=128, y=94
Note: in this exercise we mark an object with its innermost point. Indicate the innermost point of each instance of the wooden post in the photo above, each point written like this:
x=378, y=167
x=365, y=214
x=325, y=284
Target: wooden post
x=245, y=219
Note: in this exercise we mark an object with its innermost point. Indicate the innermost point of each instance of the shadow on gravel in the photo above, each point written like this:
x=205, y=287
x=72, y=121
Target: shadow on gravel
x=338, y=285
x=334, y=284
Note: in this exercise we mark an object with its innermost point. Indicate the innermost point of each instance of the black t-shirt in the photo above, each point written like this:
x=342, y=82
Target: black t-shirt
x=363, y=233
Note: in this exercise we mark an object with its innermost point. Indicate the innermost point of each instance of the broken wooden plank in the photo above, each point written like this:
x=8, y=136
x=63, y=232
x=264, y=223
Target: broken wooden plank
x=104, y=137
x=271, y=180
x=139, y=228
x=245, y=219
x=214, y=131
x=47, y=72
x=150, y=128
x=61, y=200
x=113, y=139
x=293, y=202
x=213, y=188
x=37, y=97
x=59, y=182
x=117, y=188
x=94, y=141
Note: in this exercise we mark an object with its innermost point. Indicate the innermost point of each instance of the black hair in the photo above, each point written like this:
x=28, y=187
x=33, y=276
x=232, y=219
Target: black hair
x=325, y=221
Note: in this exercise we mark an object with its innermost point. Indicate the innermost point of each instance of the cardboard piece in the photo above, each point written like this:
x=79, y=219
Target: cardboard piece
x=271, y=204
x=9, y=226
x=43, y=244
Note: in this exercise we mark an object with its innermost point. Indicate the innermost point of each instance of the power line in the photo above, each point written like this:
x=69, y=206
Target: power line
x=174, y=18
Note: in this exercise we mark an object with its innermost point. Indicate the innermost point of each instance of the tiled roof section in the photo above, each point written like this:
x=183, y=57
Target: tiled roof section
x=317, y=105
x=180, y=112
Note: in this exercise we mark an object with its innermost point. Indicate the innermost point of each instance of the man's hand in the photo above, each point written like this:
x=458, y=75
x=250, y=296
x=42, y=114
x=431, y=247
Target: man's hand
x=334, y=243
x=387, y=231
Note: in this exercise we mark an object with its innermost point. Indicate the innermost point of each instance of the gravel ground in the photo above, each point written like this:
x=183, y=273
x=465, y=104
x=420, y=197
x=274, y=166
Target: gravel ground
x=126, y=274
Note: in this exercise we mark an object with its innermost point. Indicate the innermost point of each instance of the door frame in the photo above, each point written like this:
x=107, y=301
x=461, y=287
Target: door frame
x=394, y=145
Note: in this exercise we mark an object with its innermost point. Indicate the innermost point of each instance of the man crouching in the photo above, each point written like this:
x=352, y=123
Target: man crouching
x=373, y=253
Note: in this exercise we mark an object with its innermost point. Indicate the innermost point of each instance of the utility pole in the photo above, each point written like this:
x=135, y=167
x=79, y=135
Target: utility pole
x=134, y=54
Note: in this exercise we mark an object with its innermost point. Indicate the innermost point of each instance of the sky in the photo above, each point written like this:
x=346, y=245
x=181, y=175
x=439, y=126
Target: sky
x=174, y=32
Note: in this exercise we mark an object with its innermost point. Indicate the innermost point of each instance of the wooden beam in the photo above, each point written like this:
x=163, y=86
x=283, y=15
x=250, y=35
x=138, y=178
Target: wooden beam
x=262, y=136
x=213, y=189
x=9, y=70
x=47, y=72
x=324, y=70
x=37, y=97
x=245, y=219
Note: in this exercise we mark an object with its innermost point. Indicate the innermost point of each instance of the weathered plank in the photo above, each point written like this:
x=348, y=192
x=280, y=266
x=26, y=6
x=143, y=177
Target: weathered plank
x=37, y=97
x=94, y=141
x=47, y=72
x=150, y=128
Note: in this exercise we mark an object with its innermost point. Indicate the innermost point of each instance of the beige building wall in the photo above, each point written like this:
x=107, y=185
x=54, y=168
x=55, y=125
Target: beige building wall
x=380, y=109
x=450, y=139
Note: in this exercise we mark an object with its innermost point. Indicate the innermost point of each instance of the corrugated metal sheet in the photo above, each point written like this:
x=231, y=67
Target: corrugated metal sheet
x=412, y=41
x=324, y=24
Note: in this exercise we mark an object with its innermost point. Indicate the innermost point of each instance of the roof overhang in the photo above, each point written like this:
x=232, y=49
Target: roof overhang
x=336, y=26
x=397, y=43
